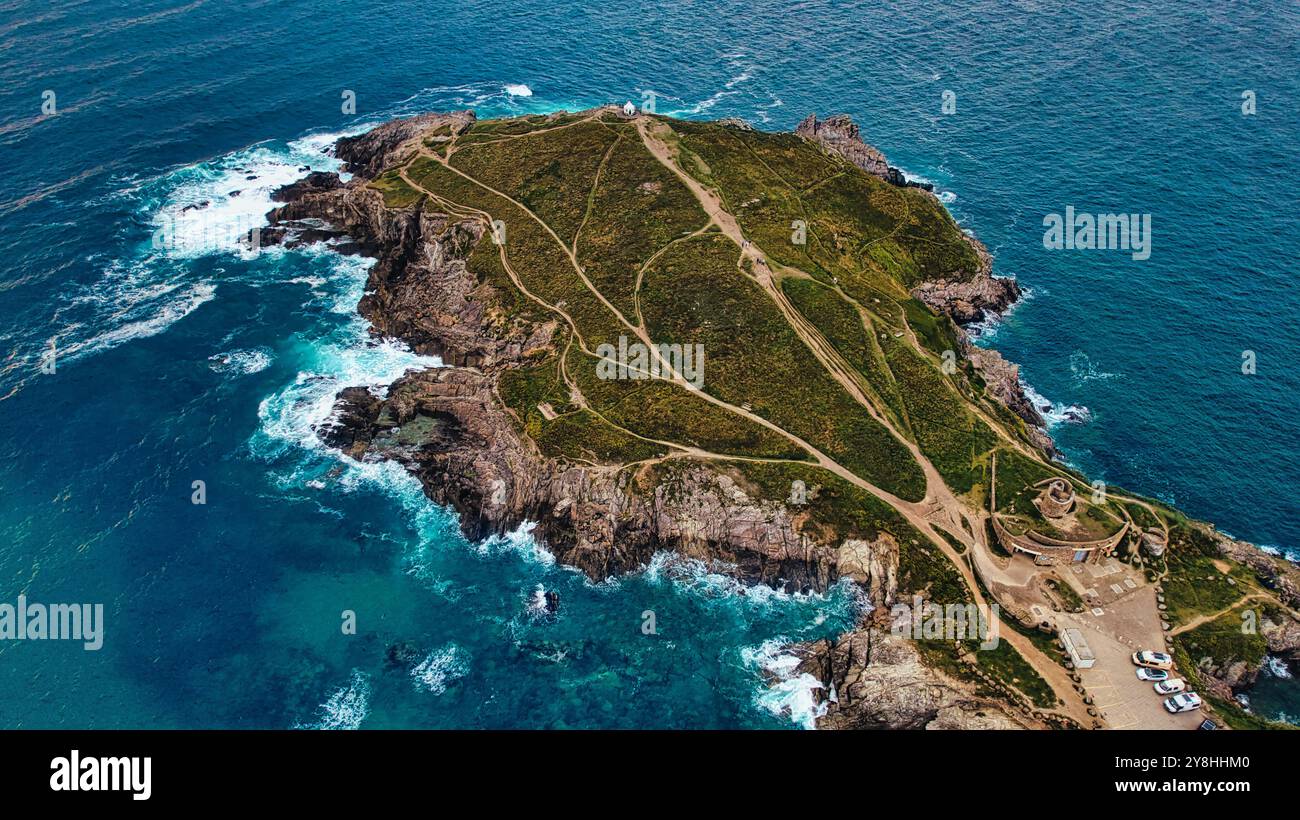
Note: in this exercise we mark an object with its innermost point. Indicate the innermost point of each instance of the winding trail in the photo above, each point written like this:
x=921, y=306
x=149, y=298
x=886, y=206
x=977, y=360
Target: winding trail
x=1211, y=616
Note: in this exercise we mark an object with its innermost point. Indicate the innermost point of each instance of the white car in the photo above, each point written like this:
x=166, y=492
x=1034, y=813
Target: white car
x=1170, y=687
x=1152, y=674
x=1156, y=660
x=1185, y=702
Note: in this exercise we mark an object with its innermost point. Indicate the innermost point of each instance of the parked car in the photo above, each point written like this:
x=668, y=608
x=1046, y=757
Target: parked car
x=1170, y=687
x=1155, y=660
x=1152, y=674
x=1185, y=702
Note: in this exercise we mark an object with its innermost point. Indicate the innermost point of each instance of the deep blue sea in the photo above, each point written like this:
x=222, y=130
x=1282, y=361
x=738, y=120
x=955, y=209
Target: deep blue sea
x=180, y=358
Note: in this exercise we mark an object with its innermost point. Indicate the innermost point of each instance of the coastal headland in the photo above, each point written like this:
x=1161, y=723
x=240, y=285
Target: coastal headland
x=834, y=423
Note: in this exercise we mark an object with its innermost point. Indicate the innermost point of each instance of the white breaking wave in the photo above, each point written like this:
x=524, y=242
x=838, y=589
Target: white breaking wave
x=521, y=541
x=439, y=668
x=518, y=90
x=211, y=207
x=241, y=362
x=693, y=575
x=986, y=331
x=1083, y=370
x=347, y=357
x=791, y=695
x=918, y=179
x=141, y=313
x=1277, y=667
x=762, y=110
x=1055, y=413
x=201, y=209
x=537, y=601
x=347, y=707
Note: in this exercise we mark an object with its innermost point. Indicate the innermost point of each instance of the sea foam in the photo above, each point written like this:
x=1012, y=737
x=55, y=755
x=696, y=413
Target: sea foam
x=346, y=708
x=790, y=695
x=439, y=668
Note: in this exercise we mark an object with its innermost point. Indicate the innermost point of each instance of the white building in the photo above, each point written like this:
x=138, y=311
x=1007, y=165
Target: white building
x=629, y=110
x=1077, y=646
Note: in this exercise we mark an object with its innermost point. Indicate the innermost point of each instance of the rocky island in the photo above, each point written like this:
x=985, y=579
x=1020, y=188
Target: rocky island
x=836, y=423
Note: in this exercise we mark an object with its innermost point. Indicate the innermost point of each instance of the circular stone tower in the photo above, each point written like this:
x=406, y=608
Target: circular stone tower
x=1057, y=498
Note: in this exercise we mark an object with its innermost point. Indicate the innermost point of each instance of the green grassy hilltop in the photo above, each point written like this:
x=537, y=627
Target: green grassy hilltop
x=611, y=239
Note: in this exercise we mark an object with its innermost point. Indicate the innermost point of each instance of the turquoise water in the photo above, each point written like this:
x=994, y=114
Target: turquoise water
x=191, y=361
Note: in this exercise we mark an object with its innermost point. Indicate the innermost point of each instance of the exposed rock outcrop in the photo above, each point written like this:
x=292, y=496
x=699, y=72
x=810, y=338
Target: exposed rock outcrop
x=1224, y=679
x=1282, y=636
x=1002, y=379
x=874, y=680
x=971, y=300
x=839, y=135
x=313, y=183
x=368, y=154
x=873, y=565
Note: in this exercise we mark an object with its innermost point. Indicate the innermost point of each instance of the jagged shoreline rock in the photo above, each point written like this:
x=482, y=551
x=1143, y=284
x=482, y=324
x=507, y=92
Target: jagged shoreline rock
x=447, y=427
x=839, y=135
x=874, y=680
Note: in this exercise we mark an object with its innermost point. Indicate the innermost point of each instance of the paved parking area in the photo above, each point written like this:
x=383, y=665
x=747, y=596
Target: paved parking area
x=1125, y=701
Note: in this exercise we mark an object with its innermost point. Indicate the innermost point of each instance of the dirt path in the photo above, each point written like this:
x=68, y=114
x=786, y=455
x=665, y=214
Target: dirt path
x=1204, y=619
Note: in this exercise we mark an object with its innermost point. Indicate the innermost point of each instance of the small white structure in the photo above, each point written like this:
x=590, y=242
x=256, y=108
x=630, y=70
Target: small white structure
x=629, y=110
x=1078, y=648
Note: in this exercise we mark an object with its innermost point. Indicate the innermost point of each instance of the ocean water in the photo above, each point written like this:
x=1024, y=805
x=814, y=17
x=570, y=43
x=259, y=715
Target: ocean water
x=182, y=358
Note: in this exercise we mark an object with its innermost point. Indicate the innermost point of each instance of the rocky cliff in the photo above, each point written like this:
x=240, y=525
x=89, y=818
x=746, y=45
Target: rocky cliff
x=839, y=135
x=447, y=426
